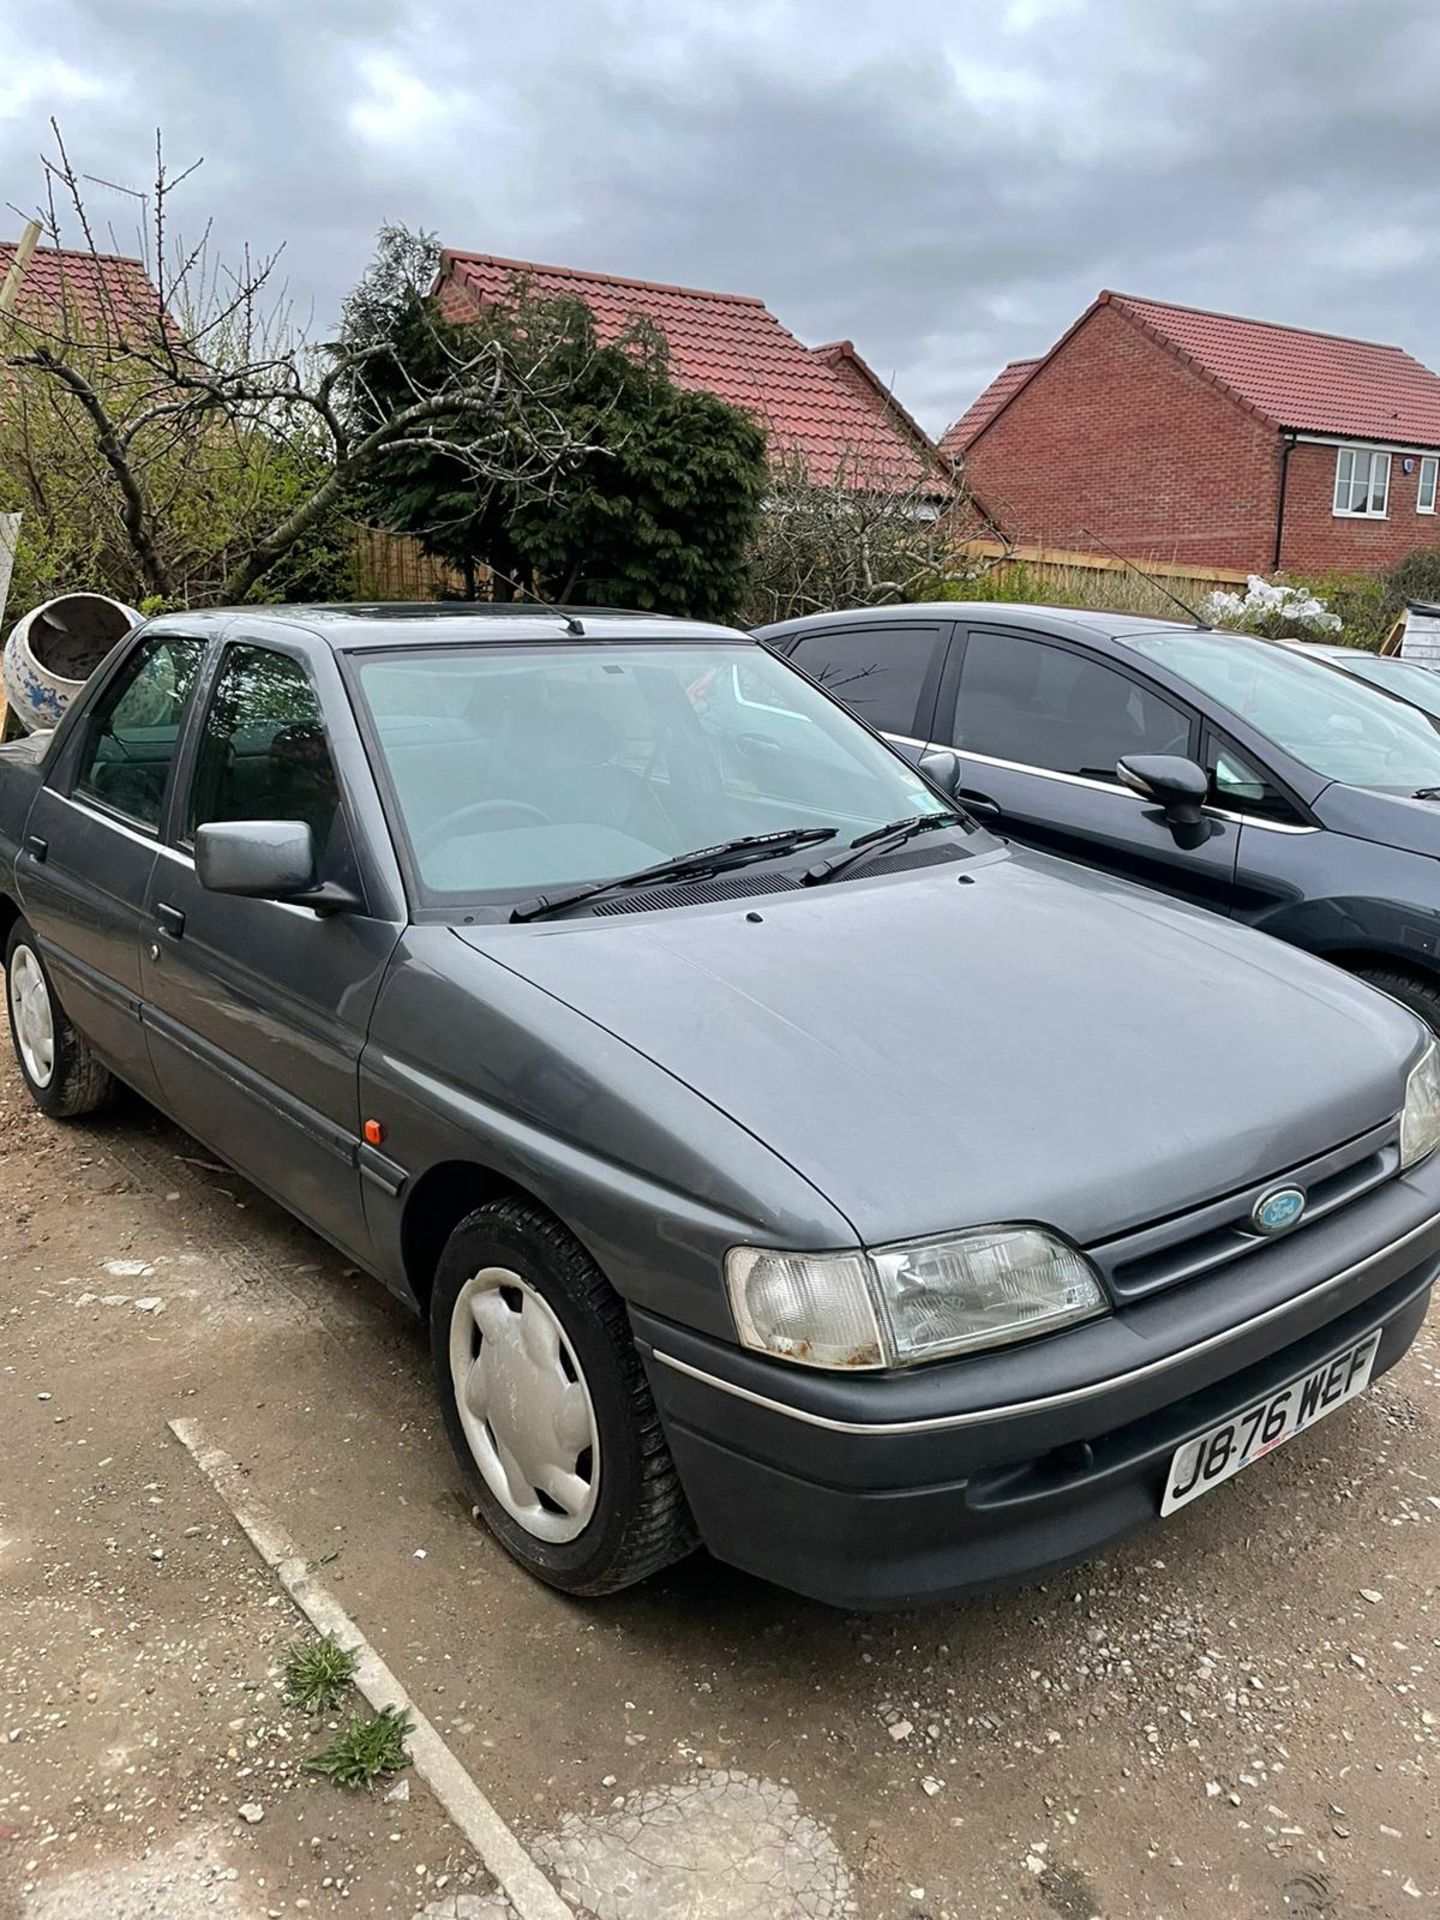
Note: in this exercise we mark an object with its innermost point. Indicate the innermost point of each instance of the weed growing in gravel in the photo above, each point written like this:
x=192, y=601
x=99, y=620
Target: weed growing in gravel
x=365, y=1749
x=317, y=1673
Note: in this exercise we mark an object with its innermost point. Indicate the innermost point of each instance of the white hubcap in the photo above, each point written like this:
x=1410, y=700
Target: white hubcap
x=524, y=1405
x=34, y=1019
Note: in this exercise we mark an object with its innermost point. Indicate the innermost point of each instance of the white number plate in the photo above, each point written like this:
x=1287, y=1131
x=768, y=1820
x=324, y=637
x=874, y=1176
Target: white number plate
x=1212, y=1459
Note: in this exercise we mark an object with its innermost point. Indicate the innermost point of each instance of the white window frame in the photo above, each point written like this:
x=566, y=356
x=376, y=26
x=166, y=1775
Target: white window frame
x=1429, y=471
x=1350, y=462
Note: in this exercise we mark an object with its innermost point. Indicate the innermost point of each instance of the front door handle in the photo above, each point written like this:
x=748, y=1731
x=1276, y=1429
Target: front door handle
x=37, y=847
x=170, y=920
x=980, y=804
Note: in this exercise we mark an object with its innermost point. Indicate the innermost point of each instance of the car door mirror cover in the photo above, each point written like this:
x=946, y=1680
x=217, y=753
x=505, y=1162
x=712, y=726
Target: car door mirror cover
x=942, y=769
x=1179, y=786
x=1168, y=778
x=257, y=859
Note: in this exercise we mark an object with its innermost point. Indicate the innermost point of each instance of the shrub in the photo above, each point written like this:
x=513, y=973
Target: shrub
x=1274, y=610
x=1416, y=577
x=214, y=495
x=1359, y=600
x=655, y=500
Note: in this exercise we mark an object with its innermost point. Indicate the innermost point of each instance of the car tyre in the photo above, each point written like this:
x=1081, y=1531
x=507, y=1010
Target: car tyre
x=1418, y=995
x=61, y=1071
x=547, y=1406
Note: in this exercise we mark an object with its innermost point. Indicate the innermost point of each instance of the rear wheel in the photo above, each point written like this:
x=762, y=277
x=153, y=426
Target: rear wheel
x=1419, y=995
x=59, y=1068
x=547, y=1406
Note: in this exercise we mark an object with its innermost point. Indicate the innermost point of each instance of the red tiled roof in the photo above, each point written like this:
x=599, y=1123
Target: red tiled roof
x=1319, y=382
x=847, y=364
x=1314, y=382
x=825, y=405
x=982, y=411
x=105, y=289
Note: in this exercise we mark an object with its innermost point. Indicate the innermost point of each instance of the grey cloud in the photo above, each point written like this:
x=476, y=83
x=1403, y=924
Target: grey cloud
x=947, y=184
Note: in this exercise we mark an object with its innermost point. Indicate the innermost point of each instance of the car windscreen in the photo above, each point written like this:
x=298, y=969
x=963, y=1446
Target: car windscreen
x=519, y=769
x=1338, y=726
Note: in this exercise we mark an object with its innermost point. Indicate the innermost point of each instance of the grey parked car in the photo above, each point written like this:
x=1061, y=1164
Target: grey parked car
x=780, y=1161
x=1405, y=679
x=1238, y=774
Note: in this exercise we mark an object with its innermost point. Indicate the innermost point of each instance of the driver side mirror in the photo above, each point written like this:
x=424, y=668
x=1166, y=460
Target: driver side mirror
x=1177, y=785
x=265, y=860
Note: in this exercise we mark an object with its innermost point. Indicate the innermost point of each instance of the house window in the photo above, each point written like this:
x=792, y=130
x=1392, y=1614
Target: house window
x=1425, y=491
x=1362, y=483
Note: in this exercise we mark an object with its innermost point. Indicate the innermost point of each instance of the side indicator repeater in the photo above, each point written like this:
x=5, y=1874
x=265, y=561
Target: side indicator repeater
x=374, y=1133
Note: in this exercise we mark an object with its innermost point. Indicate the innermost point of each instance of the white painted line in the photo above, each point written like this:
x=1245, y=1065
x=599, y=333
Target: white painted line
x=526, y=1887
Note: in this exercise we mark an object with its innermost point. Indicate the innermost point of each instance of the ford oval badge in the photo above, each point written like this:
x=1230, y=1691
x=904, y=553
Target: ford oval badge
x=1273, y=1212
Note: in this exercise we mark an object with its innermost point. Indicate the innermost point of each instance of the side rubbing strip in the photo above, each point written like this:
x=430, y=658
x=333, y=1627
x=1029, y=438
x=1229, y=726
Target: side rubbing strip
x=383, y=1173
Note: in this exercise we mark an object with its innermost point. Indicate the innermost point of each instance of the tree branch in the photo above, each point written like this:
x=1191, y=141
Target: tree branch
x=134, y=515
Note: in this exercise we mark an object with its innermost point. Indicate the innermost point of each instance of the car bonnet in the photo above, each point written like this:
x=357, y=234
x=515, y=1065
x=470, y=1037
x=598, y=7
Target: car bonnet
x=1039, y=1043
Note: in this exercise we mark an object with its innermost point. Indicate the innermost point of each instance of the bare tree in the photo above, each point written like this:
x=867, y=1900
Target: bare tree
x=860, y=541
x=134, y=389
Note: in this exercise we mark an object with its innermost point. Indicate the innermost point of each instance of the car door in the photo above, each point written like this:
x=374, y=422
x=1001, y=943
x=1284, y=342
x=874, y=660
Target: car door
x=1040, y=724
x=1284, y=859
x=886, y=671
x=257, y=1010
x=91, y=841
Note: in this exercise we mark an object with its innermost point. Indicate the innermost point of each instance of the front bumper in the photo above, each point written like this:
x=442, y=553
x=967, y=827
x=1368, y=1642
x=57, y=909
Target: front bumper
x=894, y=1490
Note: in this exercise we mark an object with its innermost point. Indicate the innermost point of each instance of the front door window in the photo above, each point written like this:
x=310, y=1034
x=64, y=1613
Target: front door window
x=1237, y=785
x=264, y=756
x=1044, y=706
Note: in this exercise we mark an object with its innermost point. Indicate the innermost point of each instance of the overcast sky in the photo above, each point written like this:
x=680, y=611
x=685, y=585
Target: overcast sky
x=946, y=182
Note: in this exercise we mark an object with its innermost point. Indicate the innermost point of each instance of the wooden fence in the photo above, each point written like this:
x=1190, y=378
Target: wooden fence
x=392, y=566
x=1054, y=560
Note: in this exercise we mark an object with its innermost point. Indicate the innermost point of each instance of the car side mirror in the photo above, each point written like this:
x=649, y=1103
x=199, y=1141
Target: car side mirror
x=941, y=770
x=265, y=860
x=1179, y=786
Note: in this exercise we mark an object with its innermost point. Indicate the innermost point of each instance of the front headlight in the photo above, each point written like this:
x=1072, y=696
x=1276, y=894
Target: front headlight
x=1420, y=1122
x=897, y=1305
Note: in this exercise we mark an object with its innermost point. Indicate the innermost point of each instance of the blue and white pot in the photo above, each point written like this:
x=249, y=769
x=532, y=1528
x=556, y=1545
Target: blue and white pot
x=55, y=648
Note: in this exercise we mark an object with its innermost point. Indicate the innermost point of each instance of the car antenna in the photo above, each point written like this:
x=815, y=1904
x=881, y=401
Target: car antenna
x=568, y=618
x=1125, y=561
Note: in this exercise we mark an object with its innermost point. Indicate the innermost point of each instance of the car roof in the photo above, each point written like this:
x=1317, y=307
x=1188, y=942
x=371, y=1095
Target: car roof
x=427, y=624
x=1079, y=623
x=1327, y=650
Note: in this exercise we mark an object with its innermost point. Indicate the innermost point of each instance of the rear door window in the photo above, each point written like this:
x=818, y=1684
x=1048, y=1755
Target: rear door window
x=1045, y=706
x=886, y=674
x=132, y=736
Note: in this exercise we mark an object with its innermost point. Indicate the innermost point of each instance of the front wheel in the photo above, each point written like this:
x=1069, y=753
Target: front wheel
x=547, y=1406
x=1420, y=996
x=60, y=1071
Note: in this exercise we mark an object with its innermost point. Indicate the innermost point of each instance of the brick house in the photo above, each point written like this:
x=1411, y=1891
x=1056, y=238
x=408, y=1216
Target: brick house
x=1201, y=439
x=821, y=404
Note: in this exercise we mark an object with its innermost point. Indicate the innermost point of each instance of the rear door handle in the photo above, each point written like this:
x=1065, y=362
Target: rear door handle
x=170, y=920
x=980, y=804
x=37, y=847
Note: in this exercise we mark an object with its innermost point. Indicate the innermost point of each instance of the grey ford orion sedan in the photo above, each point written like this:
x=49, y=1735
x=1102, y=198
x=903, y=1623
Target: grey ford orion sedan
x=781, y=1161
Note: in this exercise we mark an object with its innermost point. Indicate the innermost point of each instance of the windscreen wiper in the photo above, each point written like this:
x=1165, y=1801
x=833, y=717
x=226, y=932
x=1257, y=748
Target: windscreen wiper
x=685, y=866
x=881, y=840
x=1426, y=793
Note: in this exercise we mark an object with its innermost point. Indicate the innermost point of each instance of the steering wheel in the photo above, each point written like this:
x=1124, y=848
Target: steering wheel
x=444, y=827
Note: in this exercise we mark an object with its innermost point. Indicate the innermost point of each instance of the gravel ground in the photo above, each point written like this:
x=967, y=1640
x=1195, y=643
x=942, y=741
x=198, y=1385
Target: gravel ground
x=1238, y=1715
